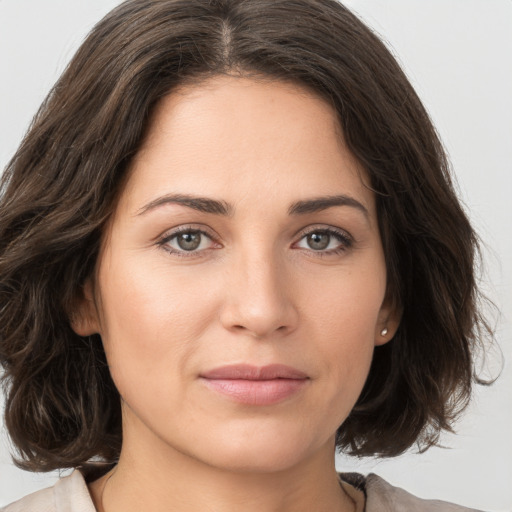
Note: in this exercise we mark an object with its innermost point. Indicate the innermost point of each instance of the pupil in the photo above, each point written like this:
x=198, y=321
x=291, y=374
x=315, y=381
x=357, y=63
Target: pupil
x=189, y=241
x=318, y=241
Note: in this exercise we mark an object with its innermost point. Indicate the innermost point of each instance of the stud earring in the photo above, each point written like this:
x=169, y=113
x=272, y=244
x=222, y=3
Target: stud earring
x=384, y=331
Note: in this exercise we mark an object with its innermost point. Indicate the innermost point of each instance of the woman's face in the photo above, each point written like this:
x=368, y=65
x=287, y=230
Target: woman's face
x=245, y=235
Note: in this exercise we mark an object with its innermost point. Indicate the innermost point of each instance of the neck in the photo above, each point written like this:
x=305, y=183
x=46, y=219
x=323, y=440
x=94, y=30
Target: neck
x=169, y=480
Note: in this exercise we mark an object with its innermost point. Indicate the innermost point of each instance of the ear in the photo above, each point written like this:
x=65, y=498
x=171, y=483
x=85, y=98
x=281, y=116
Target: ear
x=388, y=321
x=84, y=317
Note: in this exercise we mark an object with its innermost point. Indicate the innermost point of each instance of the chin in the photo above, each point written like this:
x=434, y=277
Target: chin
x=262, y=451
x=257, y=461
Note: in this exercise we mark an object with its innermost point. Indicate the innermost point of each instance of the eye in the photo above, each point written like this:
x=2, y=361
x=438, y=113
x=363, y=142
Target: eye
x=328, y=241
x=186, y=240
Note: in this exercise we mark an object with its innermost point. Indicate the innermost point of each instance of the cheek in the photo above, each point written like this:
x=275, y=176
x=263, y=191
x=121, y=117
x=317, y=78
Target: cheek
x=151, y=319
x=348, y=305
x=157, y=323
x=344, y=316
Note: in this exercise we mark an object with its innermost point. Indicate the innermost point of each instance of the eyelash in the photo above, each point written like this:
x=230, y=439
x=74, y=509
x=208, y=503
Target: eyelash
x=346, y=241
x=178, y=231
x=344, y=238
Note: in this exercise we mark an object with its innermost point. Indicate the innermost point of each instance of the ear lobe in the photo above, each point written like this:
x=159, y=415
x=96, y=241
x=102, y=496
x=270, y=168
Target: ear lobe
x=84, y=317
x=388, y=321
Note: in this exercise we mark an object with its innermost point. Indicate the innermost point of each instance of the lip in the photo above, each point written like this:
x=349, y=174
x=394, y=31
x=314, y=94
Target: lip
x=255, y=385
x=250, y=372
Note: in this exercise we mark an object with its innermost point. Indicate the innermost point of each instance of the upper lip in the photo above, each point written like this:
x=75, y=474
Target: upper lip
x=250, y=372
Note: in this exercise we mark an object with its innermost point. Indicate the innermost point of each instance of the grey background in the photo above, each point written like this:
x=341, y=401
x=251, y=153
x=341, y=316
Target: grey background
x=458, y=55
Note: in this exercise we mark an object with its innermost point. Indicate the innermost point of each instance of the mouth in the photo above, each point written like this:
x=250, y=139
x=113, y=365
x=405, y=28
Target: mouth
x=255, y=385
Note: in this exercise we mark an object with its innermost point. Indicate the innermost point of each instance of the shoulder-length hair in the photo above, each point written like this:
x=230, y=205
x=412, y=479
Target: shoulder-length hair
x=59, y=189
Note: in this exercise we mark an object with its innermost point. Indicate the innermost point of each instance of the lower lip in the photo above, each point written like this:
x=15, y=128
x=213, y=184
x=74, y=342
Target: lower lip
x=256, y=392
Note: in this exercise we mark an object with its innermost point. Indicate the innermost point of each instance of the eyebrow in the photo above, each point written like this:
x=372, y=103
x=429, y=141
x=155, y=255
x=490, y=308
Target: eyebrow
x=218, y=207
x=202, y=204
x=323, y=203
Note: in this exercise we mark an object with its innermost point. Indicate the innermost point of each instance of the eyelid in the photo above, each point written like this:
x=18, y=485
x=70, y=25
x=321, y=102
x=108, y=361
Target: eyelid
x=169, y=234
x=321, y=227
x=345, y=238
x=326, y=229
x=183, y=228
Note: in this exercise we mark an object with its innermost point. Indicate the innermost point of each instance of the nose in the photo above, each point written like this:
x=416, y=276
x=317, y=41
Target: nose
x=258, y=298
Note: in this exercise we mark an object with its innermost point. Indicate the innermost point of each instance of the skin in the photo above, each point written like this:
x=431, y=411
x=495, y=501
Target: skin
x=254, y=291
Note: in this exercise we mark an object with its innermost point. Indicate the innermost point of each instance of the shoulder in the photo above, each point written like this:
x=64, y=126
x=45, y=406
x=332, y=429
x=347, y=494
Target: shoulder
x=381, y=496
x=69, y=494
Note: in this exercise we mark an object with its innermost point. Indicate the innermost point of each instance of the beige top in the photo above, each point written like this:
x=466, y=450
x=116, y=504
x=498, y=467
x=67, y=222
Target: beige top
x=371, y=494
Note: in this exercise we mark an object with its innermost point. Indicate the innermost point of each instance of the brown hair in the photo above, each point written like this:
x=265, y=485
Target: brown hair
x=59, y=190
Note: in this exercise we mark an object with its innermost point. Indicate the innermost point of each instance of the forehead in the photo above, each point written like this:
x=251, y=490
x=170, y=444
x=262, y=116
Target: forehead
x=230, y=137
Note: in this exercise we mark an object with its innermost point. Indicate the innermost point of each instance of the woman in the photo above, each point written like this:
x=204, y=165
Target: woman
x=230, y=244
